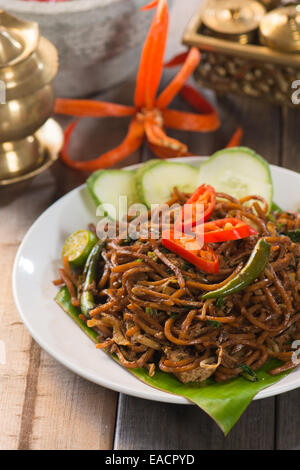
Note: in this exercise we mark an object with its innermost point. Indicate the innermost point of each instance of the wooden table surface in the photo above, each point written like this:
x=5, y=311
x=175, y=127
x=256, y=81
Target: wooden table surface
x=43, y=405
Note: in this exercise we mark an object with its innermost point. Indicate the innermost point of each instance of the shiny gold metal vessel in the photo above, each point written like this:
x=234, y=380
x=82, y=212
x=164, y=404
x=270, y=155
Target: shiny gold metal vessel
x=280, y=29
x=28, y=65
x=235, y=20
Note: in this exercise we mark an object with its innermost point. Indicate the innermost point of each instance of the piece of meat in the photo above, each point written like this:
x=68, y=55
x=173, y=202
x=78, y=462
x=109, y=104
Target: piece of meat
x=199, y=374
x=195, y=375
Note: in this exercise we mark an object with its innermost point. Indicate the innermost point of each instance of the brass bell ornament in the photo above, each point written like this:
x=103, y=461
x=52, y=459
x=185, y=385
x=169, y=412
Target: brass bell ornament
x=29, y=139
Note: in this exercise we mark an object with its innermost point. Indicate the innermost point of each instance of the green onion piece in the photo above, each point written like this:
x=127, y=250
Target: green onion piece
x=248, y=373
x=151, y=311
x=152, y=255
x=220, y=302
x=271, y=218
x=294, y=235
x=214, y=323
x=186, y=266
x=127, y=241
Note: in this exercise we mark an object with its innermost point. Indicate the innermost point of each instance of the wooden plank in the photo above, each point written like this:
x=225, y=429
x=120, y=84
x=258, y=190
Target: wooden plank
x=151, y=425
x=287, y=409
x=288, y=421
x=20, y=205
x=290, y=139
x=38, y=397
x=145, y=425
x=15, y=345
x=65, y=403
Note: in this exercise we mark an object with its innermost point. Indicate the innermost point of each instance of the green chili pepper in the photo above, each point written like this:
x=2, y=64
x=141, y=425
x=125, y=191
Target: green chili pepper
x=255, y=265
x=294, y=235
x=87, y=301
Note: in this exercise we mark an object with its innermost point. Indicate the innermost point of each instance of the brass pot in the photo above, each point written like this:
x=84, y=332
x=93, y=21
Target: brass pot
x=28, y=65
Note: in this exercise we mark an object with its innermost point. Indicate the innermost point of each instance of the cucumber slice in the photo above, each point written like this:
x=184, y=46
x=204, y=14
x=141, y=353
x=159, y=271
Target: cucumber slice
x=239, y=172
x=156, y=179
x=107, y=186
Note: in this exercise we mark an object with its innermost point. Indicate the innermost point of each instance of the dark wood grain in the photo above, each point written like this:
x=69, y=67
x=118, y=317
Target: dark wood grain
x=291, y=139
x=143, y=424
x=288, y=421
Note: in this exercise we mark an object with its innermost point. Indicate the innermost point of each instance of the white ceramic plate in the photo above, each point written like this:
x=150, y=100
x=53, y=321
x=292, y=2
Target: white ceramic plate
x=36, y=266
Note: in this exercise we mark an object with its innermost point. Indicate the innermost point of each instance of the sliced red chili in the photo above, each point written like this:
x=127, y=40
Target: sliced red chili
x=222, y=230
x=191, y=215
x=189, y=248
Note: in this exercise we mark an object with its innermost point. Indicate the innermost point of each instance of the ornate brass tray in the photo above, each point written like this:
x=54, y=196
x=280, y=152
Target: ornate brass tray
x=247, y=69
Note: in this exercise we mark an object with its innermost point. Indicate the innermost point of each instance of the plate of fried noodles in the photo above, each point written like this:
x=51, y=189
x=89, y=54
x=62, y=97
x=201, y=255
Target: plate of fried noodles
x=165, y=329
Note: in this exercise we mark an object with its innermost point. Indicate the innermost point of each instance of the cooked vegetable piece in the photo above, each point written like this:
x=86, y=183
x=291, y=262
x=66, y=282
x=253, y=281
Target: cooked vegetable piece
x=87, y=301
x=156, y=179
x=107, y=186
x=294, y=235
x=78, y=246
x=248, y=373
x=239, y=172
x=255, y=265
x=191, y=215
x=188, y=247
x=226, y=229
x=214, y=323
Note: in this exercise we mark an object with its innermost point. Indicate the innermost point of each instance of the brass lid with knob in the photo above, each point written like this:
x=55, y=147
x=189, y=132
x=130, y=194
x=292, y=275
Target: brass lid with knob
x=280, y=29
x=235, y=20
x=28, y=65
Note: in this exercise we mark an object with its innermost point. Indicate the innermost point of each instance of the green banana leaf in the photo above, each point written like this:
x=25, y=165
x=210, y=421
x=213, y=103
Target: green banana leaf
x=275, y=207
x=224, y=402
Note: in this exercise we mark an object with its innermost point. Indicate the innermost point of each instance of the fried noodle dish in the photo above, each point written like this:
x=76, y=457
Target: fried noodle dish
x=149, y=309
